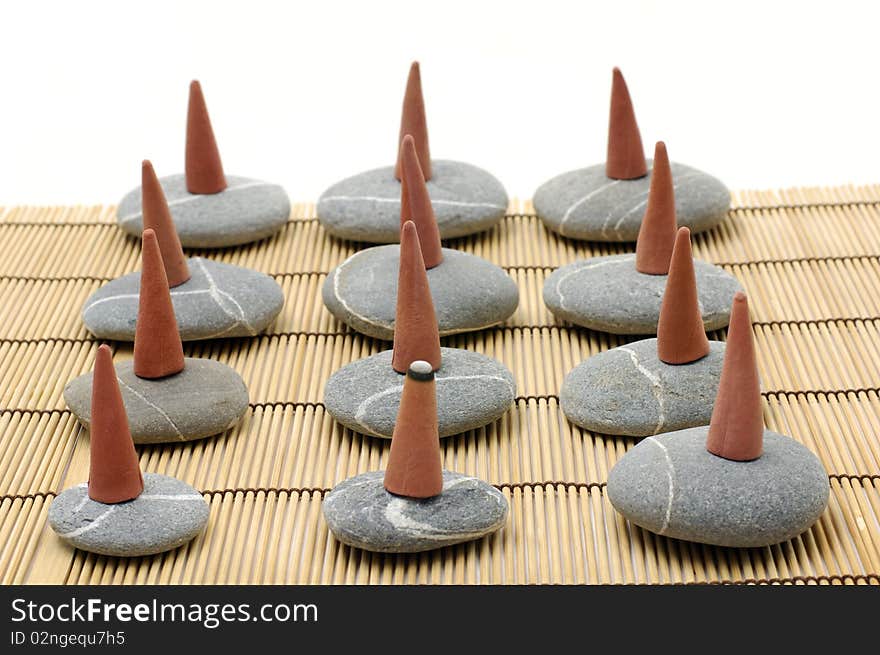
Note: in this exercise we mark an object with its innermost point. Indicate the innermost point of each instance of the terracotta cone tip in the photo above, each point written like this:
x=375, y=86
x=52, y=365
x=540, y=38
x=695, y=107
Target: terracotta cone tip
x=626, y=156
x=157, y=216
x=415, y=204
x=114, y=471
x=416, y=335
x=657, y=232
x=681, y=335
x=204, y=170
x=737, y=428
x=158, y=351
x=414, y=122
x=415, y=468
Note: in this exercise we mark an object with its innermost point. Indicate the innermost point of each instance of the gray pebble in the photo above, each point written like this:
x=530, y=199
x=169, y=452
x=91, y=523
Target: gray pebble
x=472, y=391
x=362, y=514
x=628, y=391
x=469, y=293
x=671, y=485
x=219, y=300
x=585, y=204
x=246, y=210
x=205, y=398
x=608, y=294
x=366, y=207
x=168, y=514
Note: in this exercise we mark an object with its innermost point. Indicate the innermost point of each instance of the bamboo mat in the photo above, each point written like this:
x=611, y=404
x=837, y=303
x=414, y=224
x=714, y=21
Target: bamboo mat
x=809, y=258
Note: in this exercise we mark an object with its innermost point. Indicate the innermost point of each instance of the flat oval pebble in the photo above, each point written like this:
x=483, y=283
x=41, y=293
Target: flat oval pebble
x=246, y=210
x=366, y=207
x=608, y=294
x=628, y=391
x=168, y=514
x=469, y=293
x=205, y=398
x=362, y=514
x=671, y=485
x=219, y=300
x=585, y=204
x=472, y=391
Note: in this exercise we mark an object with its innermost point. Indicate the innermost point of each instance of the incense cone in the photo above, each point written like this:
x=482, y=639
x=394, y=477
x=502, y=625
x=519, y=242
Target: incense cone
x=204, y=170
x=415, y=204
x=737, y=428
x=114, y=472
x=416, y=335
x=681, y=337
x=158, y=351
x=413, y=122
x=657, y=232
x=157, y=217
x=626, y=156
x=414, y=468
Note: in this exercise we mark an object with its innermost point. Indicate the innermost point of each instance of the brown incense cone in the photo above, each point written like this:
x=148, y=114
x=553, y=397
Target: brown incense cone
x=114, y=472
x=657, y=232
x=157, y=217
x=626, y=156
x=413, y=122
x=681, y=337
x=416, y=335
x=737, y=427
x=158, y=351
x=204, y=170
x=414, y=467
x=415, y=204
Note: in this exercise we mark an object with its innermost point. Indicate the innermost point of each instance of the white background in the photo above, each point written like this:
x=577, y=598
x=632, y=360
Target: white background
x=761, y=94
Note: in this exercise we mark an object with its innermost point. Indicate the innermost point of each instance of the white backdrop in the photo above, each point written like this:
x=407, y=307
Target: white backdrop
x=760, y=94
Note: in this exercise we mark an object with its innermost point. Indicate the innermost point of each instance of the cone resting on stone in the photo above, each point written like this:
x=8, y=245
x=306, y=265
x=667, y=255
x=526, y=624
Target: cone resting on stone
x=657, y=232
x=416, y=335
x=415, y=204
x=204, y=170
x=626, y=156
x=157, y=217
x=414, y=465
x=158, y=351
x=114, y=471
x=413, y=122
x=736, y=431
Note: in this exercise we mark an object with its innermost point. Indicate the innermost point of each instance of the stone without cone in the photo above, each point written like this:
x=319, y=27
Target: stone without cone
x=737, y=428
x=414, y=123
x=681, y=336
x=416, y=334
x=626, y=156
x=204, y=170
x=415, y=469
x=157, y=217
x=114, y=472
x=158, y=351
x=657, y=232
x=415, y=204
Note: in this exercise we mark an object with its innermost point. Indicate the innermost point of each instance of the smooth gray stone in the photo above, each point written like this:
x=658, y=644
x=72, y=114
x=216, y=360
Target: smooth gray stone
x=628, y=391
x=585, y=204
x=671, y=485
x=469, y=293
x=219, y=300
x=246, y=210
x=366, y=207
x=608, y=294
x=362, y=514
x=473, y=390
x=168, y=514
x=205, y=398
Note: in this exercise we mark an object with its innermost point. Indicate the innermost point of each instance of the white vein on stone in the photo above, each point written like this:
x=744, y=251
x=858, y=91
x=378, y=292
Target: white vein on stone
x=216, y=294
x=395, y=514
x=193, y=197
x=656, y=386
x=146, y=401
x=336, y=276
x=361, y=410
x=670, y=474
x=452, y=203
x=88, y=527
x=677, y=182
x=588, y=267
x=581, y=201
